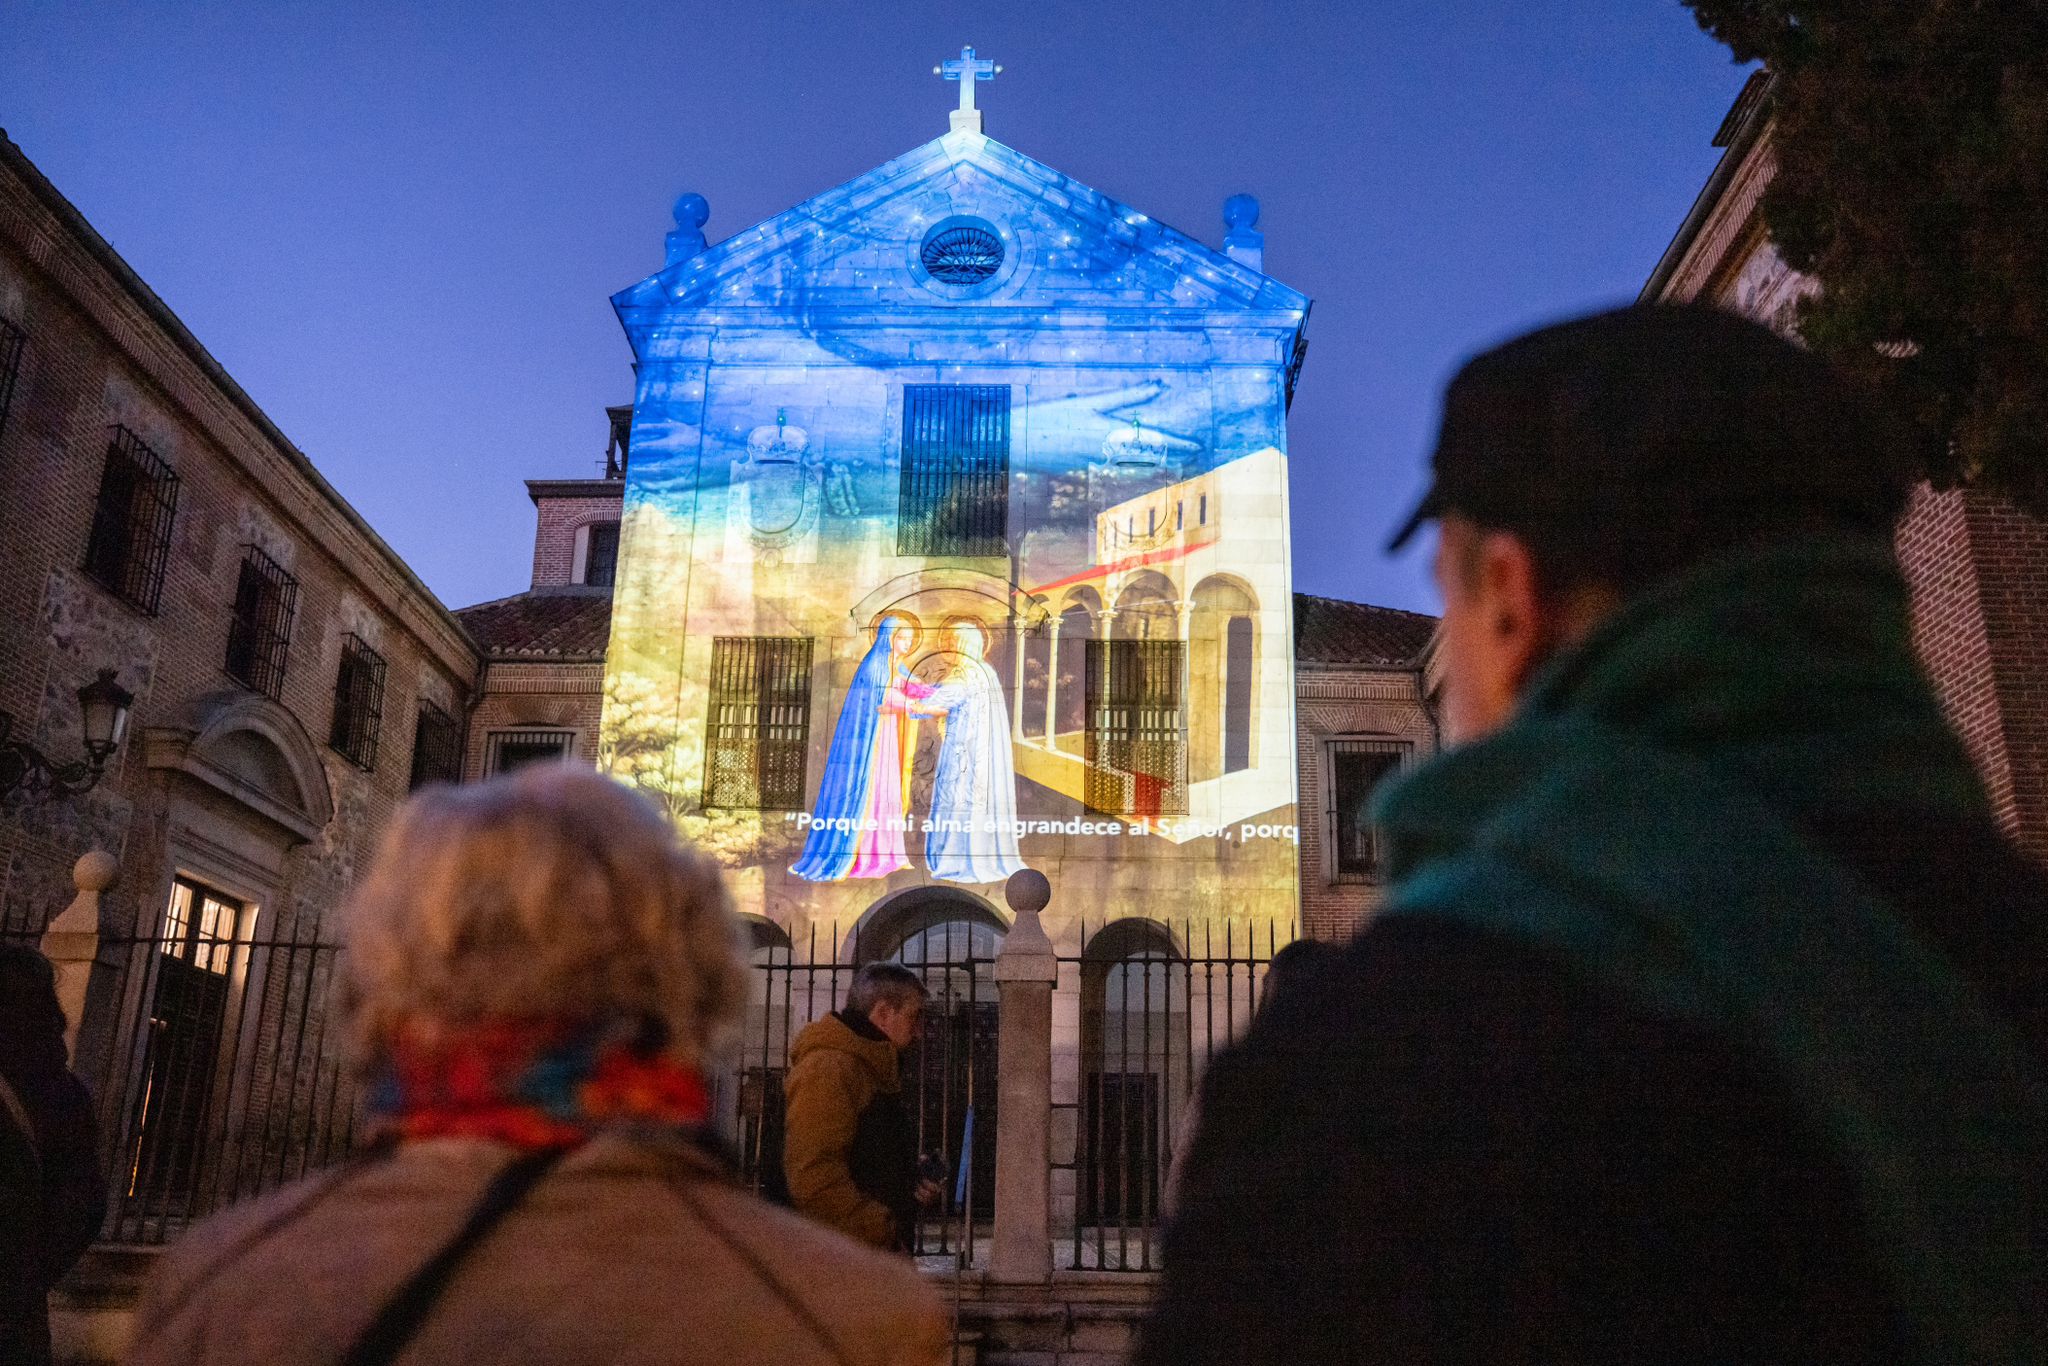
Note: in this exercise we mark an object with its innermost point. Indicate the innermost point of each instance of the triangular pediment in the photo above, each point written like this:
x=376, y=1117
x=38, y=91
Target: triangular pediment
x=860, y=247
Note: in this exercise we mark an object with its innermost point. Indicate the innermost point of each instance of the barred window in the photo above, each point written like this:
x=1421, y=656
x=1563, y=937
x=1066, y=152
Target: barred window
x=358, y=702
x=260, y=634
x=506, y=750
x=13, y=341
x=601, y=559
x=131, y=522
x=955, y=493
x=760, y=723
x=1136, y=745
x=436, y=748
x=1355, y=770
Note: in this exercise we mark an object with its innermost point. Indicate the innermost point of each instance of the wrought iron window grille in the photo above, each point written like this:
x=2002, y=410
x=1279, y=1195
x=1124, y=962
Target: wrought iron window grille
x=259, y=635
x=436, y=748
x=954, y=497
x=1136, y=744
x=358, y=703
x=505, y=750
x=758, y=732
x=130, y=541
x=1354, y=769
x=13, y=341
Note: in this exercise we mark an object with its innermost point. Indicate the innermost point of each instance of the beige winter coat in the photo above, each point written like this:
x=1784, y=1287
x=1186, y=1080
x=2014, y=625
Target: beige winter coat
x=627, y=1252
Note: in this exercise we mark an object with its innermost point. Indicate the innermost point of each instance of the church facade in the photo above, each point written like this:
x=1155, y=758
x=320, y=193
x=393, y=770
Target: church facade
x=955, y=541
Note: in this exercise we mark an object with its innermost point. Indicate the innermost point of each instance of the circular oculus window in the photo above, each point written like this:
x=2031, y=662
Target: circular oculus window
x=961, y=253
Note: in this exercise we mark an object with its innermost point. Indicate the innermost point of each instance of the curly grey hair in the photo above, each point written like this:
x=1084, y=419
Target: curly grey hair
x=551, y=892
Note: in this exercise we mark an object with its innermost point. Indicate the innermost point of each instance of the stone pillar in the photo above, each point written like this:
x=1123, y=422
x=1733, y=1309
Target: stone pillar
x=1025, y=971
x=1019, y=642
x=72, y=941
x=1052, y=682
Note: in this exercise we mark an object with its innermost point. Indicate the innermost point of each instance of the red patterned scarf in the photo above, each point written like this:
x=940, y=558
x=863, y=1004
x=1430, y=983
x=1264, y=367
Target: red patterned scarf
x=534, y=1084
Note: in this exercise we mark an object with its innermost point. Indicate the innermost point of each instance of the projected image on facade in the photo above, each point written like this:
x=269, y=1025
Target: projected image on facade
x=956, y=542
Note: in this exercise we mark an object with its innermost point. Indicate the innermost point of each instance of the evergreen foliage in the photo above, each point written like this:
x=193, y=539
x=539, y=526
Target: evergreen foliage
x=1912, y=146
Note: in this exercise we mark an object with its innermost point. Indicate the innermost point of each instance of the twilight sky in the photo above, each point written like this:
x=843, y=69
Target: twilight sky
x=398, y=225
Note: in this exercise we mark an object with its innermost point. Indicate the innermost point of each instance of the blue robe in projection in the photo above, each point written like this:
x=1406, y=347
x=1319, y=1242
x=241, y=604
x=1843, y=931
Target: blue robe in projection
x=974, y=797
x=854, y=829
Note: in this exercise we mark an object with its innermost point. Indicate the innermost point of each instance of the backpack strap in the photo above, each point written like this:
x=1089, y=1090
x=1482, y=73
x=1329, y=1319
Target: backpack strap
x=399, y=1320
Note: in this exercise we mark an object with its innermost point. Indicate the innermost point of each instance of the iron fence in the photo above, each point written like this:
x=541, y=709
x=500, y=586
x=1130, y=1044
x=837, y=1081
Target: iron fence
x=1157, y=1002
x=213, y=1074
x=949, y=1075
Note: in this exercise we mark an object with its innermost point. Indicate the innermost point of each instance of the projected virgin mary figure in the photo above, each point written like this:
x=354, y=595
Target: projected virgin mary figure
x=973, y=832
x=857, y=826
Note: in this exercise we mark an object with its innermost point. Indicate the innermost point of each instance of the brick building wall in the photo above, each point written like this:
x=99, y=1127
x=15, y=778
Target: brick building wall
x=561, y=509
x=102, y=351
x=217, y=783
x=1978, y=571
x=1334, y=704
x=526, y=695
x=1977, y=567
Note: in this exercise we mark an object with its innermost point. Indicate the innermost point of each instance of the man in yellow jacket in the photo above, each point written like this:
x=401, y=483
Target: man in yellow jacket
x=850, y=1145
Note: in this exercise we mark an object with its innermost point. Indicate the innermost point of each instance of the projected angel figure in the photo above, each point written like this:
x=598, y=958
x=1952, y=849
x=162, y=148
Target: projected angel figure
x=973, y=829
x=857, y=826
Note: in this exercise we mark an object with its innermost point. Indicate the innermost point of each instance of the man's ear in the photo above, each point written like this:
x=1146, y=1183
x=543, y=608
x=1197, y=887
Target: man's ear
x=1517, y=614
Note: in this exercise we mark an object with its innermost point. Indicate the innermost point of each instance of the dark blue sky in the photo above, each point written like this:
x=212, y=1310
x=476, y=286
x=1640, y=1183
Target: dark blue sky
x=398, y=225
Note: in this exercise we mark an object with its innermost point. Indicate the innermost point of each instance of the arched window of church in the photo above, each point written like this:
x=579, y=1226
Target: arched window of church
x=1223, y=673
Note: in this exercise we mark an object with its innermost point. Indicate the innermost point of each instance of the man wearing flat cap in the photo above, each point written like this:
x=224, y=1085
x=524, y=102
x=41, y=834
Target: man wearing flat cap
x=1705, y=1017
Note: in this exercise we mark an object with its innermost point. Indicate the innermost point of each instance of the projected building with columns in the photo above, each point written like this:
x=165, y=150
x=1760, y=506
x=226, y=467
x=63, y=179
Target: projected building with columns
x=956, y=541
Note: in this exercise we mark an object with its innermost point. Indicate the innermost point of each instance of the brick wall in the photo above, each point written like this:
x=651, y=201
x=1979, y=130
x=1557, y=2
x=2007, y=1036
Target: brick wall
x=1378, y=703
x=558, y=518
x=101, y=350
x=1978, y=571
x=563, y=695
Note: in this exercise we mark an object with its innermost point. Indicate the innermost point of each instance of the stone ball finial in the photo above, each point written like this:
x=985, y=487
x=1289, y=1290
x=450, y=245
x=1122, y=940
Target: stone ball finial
x=1240, y=211
x=95, y=871
x=693, y=211
x=1027, y=891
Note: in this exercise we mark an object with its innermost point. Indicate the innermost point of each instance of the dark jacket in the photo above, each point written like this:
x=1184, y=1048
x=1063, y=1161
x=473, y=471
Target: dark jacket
x=51, y=1193
x=849, y=1146
x=1705, y=1022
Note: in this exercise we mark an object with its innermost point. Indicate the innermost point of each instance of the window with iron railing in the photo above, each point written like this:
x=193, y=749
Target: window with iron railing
x=358, y=702
x=601, y=555
x=436, y=748
x=259, y=636
x=955, y=490
x=505, y=750
x=130, y=541
x=13, y=341
x=1136, y=745
x=759, y=727
x=1354, y=770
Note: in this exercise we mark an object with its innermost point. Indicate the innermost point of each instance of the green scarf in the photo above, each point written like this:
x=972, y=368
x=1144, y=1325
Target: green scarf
x=1638, y=817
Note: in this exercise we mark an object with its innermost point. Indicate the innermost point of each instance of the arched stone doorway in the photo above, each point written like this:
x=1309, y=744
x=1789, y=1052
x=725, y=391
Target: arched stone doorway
x=949, y=938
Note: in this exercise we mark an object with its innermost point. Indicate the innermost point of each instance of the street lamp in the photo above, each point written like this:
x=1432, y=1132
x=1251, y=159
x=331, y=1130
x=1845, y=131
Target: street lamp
x=103, y=708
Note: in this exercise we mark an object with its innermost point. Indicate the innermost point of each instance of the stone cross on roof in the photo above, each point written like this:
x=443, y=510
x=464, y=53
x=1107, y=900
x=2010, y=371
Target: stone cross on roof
x=967, y=70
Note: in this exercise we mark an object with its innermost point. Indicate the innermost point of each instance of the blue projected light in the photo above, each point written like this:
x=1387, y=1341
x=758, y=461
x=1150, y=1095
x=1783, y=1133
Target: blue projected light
x=956, y=542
